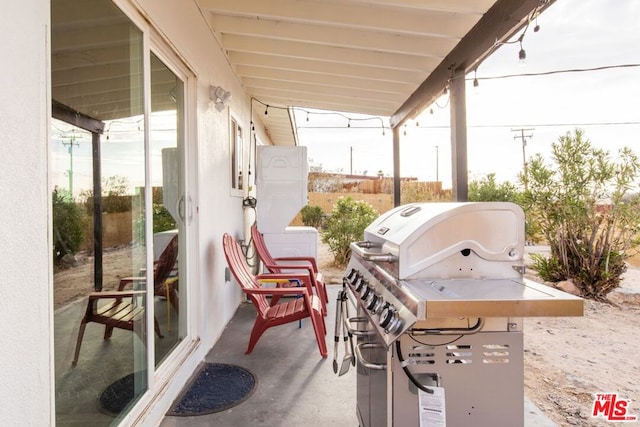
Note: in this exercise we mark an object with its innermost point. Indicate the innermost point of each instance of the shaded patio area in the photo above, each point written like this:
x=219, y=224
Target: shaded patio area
x=295, y=386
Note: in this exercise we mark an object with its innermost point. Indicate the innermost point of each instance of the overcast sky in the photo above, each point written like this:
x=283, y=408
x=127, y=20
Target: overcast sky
x=574, y=34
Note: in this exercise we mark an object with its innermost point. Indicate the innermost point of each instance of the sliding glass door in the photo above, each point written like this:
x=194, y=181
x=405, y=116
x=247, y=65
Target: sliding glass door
x=119, y=212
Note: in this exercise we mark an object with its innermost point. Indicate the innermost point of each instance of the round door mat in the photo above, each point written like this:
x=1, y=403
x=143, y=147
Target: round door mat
x=216, y=387
x=118, y=394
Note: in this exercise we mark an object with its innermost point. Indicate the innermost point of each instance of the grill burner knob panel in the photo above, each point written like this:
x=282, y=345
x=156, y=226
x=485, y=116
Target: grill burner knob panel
x=389, y=320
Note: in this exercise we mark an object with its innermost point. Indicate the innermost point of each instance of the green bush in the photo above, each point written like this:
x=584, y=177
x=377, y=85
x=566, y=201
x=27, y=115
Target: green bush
x=68, y=223
x=346, y=224
x=584, y=206
x=312, y=216
x=549, y=269
x=162, y=221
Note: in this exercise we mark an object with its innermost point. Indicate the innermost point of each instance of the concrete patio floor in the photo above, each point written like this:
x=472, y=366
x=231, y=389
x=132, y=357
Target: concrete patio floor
x=295, y=385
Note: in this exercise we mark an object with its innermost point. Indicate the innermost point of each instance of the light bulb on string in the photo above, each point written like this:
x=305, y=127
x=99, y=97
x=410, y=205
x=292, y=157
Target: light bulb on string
x=522, y=55
x=266, y=110
x=476, y=83
x=349, y=123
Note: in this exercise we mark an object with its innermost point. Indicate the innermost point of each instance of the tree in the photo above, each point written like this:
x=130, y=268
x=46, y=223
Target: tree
x=68, y=223
x=584, y=208
x=346, y=224
x=488, y=190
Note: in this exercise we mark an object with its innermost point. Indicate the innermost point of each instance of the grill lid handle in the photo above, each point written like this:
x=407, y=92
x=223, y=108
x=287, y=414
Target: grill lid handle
x=359, y=247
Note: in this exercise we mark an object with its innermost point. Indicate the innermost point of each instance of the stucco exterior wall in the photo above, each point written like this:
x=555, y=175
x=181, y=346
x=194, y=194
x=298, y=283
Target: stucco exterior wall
x=25, y=245
x=26, y=310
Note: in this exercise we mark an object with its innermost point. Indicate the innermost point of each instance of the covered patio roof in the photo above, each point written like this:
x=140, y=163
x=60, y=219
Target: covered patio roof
x=389, y=58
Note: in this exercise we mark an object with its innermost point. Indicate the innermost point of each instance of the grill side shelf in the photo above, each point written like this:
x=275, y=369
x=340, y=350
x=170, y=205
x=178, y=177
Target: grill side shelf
x=491, y=298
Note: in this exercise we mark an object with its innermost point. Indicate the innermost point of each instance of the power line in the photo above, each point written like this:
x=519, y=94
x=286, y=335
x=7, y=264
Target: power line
x=570, y=70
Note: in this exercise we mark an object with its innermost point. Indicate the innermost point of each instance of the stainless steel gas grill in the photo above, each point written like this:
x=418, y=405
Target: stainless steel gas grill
x=440, y=296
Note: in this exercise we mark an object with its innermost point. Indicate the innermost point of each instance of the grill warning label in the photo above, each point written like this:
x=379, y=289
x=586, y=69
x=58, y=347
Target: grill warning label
x=432, y=408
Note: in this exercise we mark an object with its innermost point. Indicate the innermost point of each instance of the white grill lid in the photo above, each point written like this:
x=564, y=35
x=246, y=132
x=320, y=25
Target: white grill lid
x=422, y=235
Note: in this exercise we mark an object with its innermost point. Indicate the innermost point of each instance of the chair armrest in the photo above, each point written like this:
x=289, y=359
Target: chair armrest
x=297, y=267
x=306, y=279
x=115, y=294
x=277, y=291
x=129, y=280
x=310, y=260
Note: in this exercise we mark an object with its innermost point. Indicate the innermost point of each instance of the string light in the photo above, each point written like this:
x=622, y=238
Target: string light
x=266, y=110
x=522, y=55
x=475, y=78
x=570, y=70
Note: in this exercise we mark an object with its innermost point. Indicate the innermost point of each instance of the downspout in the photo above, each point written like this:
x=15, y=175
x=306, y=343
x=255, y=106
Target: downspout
x=249, y=201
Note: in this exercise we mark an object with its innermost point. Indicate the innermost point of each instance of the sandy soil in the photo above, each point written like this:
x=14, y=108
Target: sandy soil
x=567, y=360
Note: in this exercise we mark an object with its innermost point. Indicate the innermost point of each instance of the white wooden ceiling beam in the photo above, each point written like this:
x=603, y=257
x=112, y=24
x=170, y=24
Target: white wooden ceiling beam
x=453, y=6
x=328, y=53
x=330, y=68
x=248, y=71
x=445, y=24
x=314, y=89
x=337, y=36
x=287, y=98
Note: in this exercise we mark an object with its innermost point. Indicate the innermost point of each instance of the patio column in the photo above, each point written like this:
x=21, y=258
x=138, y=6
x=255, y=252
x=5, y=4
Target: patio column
x=396, y=166
x=457, y=102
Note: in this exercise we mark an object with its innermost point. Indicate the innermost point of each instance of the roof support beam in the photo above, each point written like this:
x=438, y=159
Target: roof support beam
x=459, y=169
x=504, y=19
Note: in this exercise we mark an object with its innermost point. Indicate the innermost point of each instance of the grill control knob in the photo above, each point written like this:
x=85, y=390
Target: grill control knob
x=389, y=320
x=364, y=293
x=353, y=275
x=360, y=284
x=371, y=301
x=376, y=306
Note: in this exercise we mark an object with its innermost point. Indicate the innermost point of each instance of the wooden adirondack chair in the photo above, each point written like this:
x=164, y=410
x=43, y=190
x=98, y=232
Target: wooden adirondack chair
x=289, y=265
x=121, y=309
x=268, y=315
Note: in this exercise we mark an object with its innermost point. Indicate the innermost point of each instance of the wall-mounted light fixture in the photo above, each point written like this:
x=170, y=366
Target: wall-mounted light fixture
x=220, y=96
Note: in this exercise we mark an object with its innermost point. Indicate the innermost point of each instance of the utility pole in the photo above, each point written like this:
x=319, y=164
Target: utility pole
x=520, y=133
x=70, y=144
x=437, y=164
x=351, y=160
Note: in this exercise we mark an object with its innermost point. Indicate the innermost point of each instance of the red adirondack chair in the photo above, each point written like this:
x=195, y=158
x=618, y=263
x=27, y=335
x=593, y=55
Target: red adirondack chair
x=290, y=264
x=270, y=315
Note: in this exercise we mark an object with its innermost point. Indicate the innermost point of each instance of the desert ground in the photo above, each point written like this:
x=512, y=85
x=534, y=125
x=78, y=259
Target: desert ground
x=567, y=359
